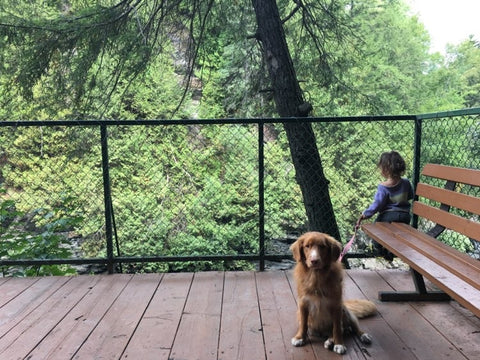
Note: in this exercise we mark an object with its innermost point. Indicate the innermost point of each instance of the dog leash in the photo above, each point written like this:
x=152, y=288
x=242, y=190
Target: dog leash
x=349, y=244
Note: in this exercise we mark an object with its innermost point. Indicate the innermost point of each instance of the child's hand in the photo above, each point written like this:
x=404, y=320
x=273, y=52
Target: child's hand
x=360, y=220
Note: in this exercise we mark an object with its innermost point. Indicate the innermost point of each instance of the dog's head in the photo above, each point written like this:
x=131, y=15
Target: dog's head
x=316, y=250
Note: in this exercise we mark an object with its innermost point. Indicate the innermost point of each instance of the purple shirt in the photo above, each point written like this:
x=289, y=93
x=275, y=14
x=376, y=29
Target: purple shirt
x=394, y=198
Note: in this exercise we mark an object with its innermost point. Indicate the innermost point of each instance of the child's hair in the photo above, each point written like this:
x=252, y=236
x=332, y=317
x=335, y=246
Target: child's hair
x=392, y=164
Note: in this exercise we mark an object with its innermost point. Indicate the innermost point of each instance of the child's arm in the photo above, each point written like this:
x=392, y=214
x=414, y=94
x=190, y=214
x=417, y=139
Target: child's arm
x=379, y=202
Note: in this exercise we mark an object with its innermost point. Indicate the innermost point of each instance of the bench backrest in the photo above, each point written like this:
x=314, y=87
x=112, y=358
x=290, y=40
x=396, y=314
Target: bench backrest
x=448, y=197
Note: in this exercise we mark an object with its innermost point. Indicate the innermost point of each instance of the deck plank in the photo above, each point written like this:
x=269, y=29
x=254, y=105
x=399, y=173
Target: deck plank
x=154, y=336
x=197, y=336
x=241, y=330
x=462, y=332
x=278, y=310
x=29, y=297
x=111, y=335
x=385, y=340
x=11, y=289
x=414, y=330
x=28, y=333
x=70, y=334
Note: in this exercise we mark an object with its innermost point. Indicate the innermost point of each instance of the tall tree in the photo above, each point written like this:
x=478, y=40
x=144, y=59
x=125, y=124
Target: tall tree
x=290, y=102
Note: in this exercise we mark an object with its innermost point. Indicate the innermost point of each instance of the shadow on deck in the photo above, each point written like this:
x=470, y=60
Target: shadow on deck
x=213, y=315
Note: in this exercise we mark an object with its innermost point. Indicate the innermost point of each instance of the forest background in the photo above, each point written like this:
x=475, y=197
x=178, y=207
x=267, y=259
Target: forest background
x=376, y=61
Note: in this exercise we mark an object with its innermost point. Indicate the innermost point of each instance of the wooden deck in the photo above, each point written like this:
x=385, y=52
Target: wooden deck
x=213, y=315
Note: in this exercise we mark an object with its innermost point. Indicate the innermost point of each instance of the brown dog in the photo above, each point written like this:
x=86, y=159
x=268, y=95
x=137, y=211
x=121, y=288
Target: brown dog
x=319, y=279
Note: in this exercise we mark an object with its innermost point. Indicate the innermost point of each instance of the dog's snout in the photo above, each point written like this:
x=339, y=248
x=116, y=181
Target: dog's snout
x=314, y=256
x=315, y=262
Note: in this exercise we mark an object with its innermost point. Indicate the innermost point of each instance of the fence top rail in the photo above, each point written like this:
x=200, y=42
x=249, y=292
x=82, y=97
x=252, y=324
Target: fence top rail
x=452, y=113
x=32, y=123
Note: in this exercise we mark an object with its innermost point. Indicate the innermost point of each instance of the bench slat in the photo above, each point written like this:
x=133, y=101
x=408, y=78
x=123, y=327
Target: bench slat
x=460, y=175
x=454, y=222
x=457, y=288
x=431, y=248
x=461, y=256
x=448, y=197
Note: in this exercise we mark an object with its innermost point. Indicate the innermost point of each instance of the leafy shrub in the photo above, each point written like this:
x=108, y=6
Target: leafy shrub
x=37, y=235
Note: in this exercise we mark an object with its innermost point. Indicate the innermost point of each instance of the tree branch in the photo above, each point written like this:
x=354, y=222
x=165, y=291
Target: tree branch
x=292, y=13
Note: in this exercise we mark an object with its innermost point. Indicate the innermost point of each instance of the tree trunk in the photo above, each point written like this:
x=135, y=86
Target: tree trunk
x=290, y=102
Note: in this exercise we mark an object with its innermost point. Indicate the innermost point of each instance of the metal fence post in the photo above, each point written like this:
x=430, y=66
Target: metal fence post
x=261, y=195
x=107, y=198
x=416, y=161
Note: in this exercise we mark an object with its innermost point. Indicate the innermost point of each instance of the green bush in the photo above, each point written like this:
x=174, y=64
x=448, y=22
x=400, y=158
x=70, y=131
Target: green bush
x=43, y=239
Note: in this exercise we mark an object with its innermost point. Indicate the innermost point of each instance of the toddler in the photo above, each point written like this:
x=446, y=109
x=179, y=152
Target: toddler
x=392, y=199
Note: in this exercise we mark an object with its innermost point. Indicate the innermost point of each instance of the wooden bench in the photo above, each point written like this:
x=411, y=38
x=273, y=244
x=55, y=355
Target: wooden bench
x=455, y=273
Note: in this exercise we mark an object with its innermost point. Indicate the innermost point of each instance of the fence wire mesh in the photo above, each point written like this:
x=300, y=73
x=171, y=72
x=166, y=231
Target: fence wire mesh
x=194, y=188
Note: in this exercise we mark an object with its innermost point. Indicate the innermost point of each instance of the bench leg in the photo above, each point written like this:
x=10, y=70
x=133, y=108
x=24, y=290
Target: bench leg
x=421, y=293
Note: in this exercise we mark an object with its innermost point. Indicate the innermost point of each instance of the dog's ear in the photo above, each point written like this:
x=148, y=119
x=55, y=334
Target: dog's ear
x=297, y=249
x=335, y=247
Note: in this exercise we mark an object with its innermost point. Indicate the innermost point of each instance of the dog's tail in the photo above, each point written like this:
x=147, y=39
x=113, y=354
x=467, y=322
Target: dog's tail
x=361, y=308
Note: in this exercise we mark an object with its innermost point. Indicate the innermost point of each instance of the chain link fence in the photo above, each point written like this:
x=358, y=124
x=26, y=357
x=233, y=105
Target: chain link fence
x=199, y=195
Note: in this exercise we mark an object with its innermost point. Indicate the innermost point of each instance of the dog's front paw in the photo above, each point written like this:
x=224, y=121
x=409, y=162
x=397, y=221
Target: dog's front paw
x=298, y=342
x=340, y=349
x=366, y=338
x=328, y=344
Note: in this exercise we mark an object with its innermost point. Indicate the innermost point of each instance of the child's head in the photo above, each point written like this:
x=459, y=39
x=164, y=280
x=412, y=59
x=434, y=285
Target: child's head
x=391, y=164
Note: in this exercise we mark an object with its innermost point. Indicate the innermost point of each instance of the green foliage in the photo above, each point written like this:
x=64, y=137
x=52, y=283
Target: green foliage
x=44, y=241
x=284, y=209
x=453, y=81
x=464, y=61
x=378, y=64
x=351, y=58
x=50, y=35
